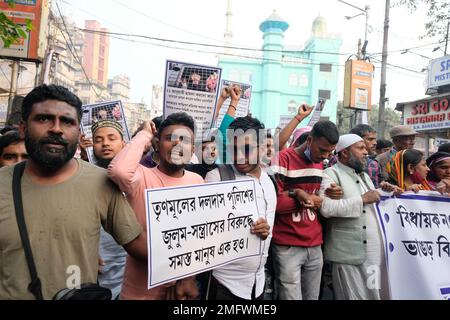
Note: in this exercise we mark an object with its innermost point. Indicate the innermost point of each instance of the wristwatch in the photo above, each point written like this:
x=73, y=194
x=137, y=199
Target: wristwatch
x=292, y=193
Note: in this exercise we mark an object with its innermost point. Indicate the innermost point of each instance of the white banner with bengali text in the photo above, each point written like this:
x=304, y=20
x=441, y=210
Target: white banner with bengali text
x=416, y=230
x=192, y=229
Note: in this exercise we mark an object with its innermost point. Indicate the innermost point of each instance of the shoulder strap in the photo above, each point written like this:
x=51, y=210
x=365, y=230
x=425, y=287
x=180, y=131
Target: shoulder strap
x=274, y=181
x=226, y=172
x=35, y=285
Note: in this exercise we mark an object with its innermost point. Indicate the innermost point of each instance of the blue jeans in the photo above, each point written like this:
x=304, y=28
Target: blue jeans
x=298, y=272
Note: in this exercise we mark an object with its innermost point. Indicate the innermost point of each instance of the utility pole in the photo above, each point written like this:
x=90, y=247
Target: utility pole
x=381, y=121
x=446, y=38
x=13, y=87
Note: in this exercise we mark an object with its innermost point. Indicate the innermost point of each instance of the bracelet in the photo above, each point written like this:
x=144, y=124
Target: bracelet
x=297, y=119
x=233, y=106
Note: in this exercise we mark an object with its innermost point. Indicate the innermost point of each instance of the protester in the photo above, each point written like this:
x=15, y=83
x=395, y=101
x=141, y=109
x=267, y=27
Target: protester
x=206, y=152
x=12, y=149
x=369, y=136
x=408, y=170
x=403, y=137
x=297, y=232
x=353, y=242
x=439, y=175
x=174, y=144
x=444, y=148
x=150, y=157
x=299, y=136
x=65, y=202
x=283, y=136
x=108, y=141
x=267, y=150
x=383, y=146
x=244, y=279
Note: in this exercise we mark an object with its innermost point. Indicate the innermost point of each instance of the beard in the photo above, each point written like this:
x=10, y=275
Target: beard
x=357, y=165
x=103, y=163
x=50, y=159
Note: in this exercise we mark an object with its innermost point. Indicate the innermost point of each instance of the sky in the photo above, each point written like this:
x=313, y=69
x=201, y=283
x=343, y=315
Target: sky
x=203, y=21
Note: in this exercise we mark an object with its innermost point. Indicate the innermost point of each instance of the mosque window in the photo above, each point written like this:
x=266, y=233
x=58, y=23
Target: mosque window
x=325, y=67
x=293, y=80
x=325, y=94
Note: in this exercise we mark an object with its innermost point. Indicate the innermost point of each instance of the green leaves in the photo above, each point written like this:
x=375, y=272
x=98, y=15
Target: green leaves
x=10, y=32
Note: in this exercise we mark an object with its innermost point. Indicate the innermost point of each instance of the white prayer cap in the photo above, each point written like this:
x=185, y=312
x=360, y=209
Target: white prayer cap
x=346, y=141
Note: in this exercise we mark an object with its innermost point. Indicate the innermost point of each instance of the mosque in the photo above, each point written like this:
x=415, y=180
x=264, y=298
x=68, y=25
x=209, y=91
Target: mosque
x=284, y=76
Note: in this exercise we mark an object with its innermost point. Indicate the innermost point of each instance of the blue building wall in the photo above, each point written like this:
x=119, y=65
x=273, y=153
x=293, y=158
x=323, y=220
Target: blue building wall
x=280, y=84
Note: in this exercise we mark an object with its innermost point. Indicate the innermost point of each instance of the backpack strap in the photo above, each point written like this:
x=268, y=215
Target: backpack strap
x=35, y=285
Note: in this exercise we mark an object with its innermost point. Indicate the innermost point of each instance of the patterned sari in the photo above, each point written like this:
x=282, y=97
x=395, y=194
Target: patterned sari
x=397, y=174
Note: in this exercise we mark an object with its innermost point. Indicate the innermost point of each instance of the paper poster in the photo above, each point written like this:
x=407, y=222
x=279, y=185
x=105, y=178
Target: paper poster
x=243, y=106
x=193, y=89
x=192, y=229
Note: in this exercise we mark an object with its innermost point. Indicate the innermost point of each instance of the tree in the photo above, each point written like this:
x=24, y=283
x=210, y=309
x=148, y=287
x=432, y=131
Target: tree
x=438, y=15
x=11, y=32
x=392, y=117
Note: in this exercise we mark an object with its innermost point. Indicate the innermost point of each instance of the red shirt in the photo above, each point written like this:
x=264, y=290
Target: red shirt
x=295, y=225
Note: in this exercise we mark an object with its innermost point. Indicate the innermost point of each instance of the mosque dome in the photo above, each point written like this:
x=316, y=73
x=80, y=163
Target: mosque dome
x=319, y=27
x=274, y=21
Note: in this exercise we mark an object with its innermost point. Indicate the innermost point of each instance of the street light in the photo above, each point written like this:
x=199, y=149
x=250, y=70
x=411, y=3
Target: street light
x=364, y=11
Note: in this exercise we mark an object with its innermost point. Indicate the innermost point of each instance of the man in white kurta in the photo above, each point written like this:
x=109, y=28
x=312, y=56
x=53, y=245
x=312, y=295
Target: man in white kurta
x=353, y=242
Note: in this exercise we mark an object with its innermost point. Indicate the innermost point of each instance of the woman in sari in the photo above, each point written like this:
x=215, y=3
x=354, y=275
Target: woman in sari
x=408, y=170
x=439, y=175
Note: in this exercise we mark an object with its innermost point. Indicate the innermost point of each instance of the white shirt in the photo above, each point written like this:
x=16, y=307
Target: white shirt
x=240, y=276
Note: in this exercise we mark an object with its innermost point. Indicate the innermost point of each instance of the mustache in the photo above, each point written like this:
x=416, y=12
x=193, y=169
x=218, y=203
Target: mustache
x=54, y=140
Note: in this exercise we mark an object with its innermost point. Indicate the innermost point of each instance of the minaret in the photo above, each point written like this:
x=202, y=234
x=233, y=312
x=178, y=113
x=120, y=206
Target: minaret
x=228, y=36
x=273, y=29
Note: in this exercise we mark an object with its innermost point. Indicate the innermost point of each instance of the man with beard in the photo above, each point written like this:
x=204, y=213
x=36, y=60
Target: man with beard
x=107, y=136
x=353, y=243
x=174, y=145
x=206, y=152
x=65, y=202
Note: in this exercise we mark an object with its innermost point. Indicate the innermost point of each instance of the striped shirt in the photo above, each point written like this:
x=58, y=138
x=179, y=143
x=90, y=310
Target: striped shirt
x=295, y=225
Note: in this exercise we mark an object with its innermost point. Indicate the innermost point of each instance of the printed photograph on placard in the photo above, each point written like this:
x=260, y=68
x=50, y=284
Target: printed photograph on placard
x=193, y=89
x=93, y=113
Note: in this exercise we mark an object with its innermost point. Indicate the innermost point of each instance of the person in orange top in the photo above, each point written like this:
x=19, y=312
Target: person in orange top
x=408, y=170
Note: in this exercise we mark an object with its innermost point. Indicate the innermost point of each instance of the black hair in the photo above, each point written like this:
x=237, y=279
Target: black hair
x=50, y=92
x=444, y=148
x=247, y=123
x=179, y=118
x=383, y=143
x=362, y=129
x=302, y=139
x=326, y=129
x=157, y=121
x=269, y=135
x=8, y=129
x=11, y=137
x=412, y=156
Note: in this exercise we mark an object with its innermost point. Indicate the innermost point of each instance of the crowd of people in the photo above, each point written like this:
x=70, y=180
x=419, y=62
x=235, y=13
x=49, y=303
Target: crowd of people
x=315, y=197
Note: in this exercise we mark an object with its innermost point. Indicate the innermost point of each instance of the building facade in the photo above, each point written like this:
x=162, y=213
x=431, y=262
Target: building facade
x=283, y=76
